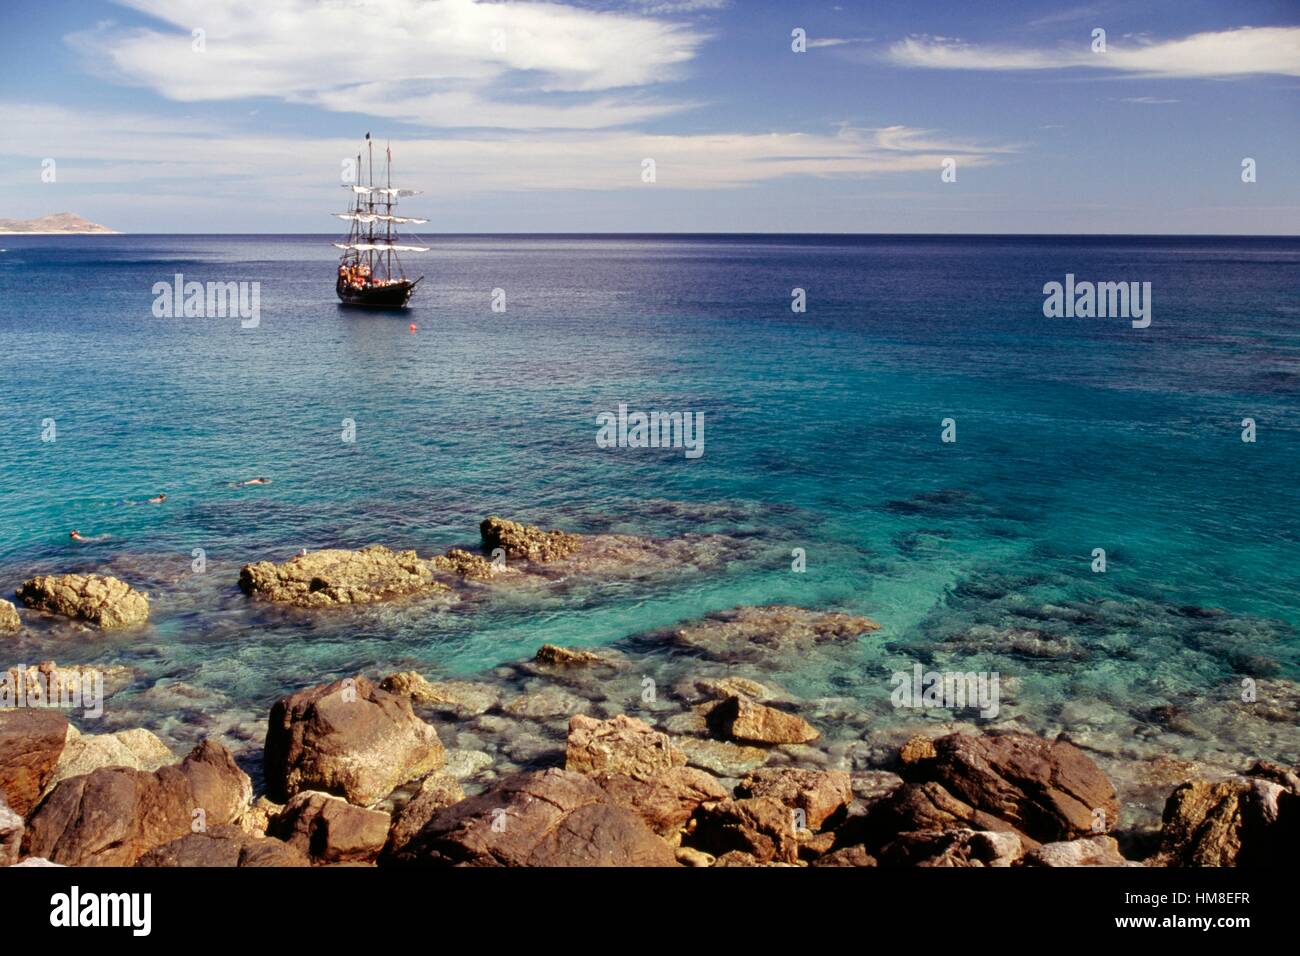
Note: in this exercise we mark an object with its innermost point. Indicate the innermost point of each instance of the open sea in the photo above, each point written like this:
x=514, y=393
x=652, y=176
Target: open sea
x=822, y=432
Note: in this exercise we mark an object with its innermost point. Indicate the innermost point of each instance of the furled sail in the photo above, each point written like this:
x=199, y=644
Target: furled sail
x=384, y=190
x=379, y=247
x=376, y=217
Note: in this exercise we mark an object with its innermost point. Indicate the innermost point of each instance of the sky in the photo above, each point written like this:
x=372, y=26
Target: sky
x=238, y=115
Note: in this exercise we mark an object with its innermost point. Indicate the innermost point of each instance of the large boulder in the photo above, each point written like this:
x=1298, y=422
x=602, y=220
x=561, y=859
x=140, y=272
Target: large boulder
x=113, y=816
x=621, y=744
x=336, y=576
x=747, y=721
x=544, y=818
x=921, y=807
x=329, y=829
x=1244, y=821
x=137, y=749
x=527, y=542
x=224, y=846
x=31, y=742
x=1049, y=790
x=666, y=801
x=347, y=738
x=759, y=633
x=98, y=599
x=9, y=619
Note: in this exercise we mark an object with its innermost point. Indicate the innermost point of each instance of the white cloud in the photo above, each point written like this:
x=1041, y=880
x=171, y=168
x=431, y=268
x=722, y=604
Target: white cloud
x=185, y=155
x=435, y=62
x=1247, y=50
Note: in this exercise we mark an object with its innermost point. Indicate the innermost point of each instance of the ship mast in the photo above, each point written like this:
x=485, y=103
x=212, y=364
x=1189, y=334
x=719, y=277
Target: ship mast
x=370, y=201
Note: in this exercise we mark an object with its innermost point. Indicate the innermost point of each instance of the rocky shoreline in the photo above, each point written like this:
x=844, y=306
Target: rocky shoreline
x=576, y=757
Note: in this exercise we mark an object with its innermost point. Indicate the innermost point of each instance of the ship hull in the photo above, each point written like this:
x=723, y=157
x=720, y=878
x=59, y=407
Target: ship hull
x=394, y=296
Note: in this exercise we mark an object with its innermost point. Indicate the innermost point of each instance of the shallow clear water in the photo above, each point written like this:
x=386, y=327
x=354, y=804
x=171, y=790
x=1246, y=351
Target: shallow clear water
x=822, y=432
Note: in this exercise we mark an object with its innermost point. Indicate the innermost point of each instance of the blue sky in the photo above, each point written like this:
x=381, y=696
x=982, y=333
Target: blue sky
x=536, y=117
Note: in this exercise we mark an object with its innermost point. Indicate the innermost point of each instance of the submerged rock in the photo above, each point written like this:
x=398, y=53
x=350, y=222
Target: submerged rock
x=31, y=742
x=721, y=758
x=337, y=576
x=622, y=745
x=348, y=738
x=527, y=542
x=114, y=815
x=544, y=818
x=463, y=698
x=755, y=633
x=102, y=601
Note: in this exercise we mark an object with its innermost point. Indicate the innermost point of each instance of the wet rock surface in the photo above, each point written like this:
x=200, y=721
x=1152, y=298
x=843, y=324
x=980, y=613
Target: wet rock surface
x=100, y=600
x=31, y=743
x=337, y=576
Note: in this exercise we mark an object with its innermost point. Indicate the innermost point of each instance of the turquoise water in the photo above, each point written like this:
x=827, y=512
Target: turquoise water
x=822, y=432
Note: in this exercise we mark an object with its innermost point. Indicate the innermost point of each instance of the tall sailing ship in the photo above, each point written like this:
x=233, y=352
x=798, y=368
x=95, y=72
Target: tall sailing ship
x=370, y=269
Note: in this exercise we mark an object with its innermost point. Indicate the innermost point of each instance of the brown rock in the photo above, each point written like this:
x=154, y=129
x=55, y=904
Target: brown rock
x=820, y=794
x=329, y=829
x=847, y=856
x=113, y=816
x=436, y=792
x=762, y=827
x=526, y=542
x=621, y=744
x=1244, y=821
x=1046, y=789
x=952, y=848
x=742, y=719
x=223, y=846
x=756, y=633
x=9, y=619
x=31, y=742
x=922, y=807
x=565, y=656
x=348, y=738
x=665, y=802
x=475, y=567
x=337, y=576
x=546, y=818
x=11, y=835
x=917, y=749
x=97, y=599
x=1100, y=850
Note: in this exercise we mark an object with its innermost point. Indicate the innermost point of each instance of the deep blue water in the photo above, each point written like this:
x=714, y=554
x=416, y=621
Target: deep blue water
x=822, y=432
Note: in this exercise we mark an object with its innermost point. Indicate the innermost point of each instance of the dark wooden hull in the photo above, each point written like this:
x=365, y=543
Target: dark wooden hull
x=394, y=296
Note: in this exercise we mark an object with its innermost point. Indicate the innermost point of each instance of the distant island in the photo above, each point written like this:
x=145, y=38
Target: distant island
x=58, y=224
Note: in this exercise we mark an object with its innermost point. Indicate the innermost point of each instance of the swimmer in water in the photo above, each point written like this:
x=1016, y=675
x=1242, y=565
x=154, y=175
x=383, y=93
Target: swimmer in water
x=159, y=500
x=75, y=535
x=251, y=481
